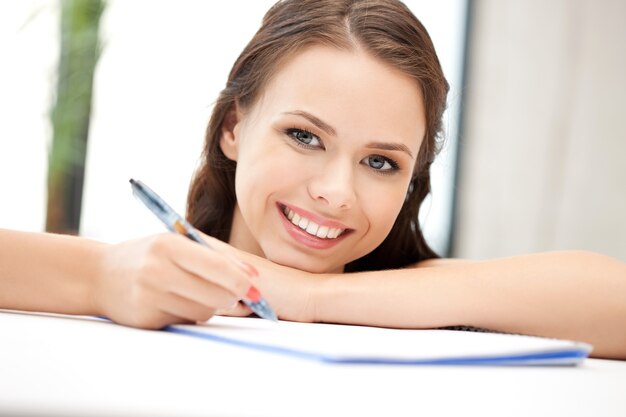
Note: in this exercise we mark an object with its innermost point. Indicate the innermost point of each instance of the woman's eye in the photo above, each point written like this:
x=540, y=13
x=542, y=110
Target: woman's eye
x=381, y=163
x=304, y=137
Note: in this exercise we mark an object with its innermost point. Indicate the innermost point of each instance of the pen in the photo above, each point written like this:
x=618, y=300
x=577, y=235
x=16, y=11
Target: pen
x=177, y=224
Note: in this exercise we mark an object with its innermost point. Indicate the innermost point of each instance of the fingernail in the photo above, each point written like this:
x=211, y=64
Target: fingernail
x=253, y=294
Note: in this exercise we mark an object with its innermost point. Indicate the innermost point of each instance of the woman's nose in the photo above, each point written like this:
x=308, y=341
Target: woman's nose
x=334, y=185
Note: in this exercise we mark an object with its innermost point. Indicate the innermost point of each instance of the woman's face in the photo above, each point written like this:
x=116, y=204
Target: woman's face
x=324, y=159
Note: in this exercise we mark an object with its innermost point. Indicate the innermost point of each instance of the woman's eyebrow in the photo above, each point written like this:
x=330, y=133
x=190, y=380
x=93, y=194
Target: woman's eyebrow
x=390, y=147
x=315, y=120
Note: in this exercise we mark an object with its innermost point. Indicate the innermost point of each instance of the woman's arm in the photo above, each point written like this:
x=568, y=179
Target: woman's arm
x=149, y=282
x=46, y=272
x=571, y=295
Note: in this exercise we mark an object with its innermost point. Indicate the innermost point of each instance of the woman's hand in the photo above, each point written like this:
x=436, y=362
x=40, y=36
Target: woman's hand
x=290, y=292
x=166, y=279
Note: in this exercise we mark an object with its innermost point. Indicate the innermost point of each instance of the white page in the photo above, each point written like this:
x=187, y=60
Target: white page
x=344, y=341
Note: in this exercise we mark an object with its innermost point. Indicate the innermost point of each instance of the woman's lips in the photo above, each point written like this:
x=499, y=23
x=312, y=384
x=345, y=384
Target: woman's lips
x=312, y=231
x=314, y=217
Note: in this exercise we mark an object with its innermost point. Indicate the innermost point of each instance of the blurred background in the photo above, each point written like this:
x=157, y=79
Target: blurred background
x=97, y=92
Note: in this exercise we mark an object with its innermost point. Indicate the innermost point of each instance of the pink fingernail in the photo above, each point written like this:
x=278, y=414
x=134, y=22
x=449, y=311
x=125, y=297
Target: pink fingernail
x=253, y=294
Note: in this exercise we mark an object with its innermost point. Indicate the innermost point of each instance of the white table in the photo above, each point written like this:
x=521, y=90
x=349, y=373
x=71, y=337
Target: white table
x=74, y=366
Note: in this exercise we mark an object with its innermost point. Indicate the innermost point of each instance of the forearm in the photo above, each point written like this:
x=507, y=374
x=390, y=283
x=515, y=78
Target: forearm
x=46, y=272
x=573, y=295
x=403, y=298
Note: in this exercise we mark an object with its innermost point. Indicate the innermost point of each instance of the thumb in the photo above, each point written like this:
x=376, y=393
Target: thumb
x=238, y=310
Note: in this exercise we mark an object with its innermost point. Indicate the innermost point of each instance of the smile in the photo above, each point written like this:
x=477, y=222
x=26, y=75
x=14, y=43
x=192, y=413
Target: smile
x=312, y=228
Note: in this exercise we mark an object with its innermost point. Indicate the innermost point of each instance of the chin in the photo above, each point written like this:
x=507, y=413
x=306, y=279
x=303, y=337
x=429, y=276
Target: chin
x=304, y=263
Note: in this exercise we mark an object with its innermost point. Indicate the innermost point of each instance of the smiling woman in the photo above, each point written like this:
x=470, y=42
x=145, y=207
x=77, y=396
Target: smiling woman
x=334, y=171
x=329, y=80
x=316, y=161
x=333, y=174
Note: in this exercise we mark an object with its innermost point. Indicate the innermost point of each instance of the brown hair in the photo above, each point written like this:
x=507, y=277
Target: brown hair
x=386, y=29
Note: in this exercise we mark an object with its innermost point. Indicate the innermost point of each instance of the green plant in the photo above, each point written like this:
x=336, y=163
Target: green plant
x=70, y=116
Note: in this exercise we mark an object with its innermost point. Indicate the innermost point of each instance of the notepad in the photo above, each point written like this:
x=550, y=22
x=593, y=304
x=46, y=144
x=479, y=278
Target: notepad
x=345, y=344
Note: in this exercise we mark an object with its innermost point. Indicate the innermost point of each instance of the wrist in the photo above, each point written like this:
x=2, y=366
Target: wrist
x=97, y=284
x=324, y=295
x=296, y=294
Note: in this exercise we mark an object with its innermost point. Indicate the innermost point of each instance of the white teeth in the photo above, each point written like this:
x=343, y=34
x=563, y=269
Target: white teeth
x=312, y=228
x=322, y=232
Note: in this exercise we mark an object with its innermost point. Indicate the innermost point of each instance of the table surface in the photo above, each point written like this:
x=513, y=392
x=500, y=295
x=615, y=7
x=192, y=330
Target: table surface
x=54, y=365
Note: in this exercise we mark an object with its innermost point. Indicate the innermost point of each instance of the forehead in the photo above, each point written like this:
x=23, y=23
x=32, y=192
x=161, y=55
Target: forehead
x=349, y=90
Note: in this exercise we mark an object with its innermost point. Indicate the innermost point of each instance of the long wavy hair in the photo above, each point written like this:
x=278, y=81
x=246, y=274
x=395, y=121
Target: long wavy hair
x=387, y=30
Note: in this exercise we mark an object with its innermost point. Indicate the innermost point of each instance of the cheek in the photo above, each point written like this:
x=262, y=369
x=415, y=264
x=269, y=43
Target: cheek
x=261, y=174
x=383, y=210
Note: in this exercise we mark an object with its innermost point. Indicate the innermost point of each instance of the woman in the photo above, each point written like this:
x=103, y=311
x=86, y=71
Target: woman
x=317, y=159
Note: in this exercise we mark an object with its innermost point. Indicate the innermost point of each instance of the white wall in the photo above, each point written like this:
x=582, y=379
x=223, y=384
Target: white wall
x=545, y=140
x=162, y=66
x=28, y=53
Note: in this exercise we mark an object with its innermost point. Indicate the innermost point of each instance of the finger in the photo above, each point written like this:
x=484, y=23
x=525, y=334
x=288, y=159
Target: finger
x=152, y=319
x=239, y=310
x=185, y=309
x=199, y=290
x=210, y=265
x=238, y=256
x=218, y=245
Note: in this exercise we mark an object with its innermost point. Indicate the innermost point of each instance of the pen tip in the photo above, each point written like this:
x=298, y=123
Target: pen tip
x=132, y=181
x=268, y=314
